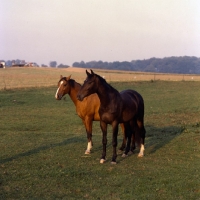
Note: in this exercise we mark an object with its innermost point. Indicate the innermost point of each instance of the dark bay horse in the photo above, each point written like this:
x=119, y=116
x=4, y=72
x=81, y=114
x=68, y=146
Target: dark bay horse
x=87, y=109
x=126, y=107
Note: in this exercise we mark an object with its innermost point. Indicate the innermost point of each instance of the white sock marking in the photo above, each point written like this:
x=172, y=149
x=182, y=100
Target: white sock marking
x=89, y=146
x=141, y=154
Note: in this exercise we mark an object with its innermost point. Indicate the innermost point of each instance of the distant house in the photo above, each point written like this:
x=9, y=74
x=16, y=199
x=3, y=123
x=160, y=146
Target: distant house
x=2, y=64
x=18, y=65
x=31, y=64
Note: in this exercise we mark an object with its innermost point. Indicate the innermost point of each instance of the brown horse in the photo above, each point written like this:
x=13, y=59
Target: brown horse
x=126, y=107
x=87, y=109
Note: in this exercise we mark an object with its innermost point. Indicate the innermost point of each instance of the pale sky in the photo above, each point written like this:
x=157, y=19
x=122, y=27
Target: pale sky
x=67, y=31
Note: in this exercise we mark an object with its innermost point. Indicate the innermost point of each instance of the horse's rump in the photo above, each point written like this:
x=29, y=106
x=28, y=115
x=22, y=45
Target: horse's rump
x=134, y=106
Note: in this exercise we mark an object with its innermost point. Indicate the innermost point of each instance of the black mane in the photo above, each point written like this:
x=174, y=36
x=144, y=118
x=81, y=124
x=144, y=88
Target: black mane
x=105, y=82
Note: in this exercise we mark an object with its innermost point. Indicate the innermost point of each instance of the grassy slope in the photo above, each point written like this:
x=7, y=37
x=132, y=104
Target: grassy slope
x=43, y=142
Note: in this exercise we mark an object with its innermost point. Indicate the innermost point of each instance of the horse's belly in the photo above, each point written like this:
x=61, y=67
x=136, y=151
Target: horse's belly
x=126, y=118
x=96, y=117
x=108, y=119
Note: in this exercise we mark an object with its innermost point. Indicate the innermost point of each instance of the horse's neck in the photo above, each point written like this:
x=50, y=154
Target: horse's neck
x=73, y=92
x=104, y=94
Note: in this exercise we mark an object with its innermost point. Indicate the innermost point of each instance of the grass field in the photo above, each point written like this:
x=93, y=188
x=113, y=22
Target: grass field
x=43, y=143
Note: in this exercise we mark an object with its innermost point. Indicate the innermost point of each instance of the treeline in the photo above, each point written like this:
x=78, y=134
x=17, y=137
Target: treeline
x=182, y=65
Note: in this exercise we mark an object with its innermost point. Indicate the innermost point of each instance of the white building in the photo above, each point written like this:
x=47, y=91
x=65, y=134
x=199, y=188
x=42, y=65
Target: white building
x=2, y=64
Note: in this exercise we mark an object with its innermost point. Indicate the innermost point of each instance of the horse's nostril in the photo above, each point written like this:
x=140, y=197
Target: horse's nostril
x=59, y=97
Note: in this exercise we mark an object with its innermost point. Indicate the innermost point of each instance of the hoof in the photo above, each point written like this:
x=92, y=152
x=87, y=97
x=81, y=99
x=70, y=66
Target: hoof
x=102, y=161
x=113, y=163
x=124, y=155
x=120, y=151
x=140, y=155
x=87, y=152
x=130, y=152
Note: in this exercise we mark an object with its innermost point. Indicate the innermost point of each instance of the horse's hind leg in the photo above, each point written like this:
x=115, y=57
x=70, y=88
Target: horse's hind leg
x=88, y=126
x=124, y=138
x=128, y=133
x=142, y=133
x=133, y=147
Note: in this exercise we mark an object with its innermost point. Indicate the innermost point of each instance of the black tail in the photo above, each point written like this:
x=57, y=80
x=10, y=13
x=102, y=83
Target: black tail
x=140, y=132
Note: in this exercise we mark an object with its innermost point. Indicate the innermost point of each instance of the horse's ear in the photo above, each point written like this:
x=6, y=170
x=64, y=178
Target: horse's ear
x=61, y=76
x=87, y=72
x=68, y=78
x=92, y=72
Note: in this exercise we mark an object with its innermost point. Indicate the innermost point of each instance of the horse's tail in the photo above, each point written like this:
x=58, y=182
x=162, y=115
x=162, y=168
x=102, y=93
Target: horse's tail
x=140, y=131
x=137, y=134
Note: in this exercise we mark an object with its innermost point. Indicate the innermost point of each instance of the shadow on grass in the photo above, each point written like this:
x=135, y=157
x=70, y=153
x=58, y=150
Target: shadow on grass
x=68, y=141
x=157, y=137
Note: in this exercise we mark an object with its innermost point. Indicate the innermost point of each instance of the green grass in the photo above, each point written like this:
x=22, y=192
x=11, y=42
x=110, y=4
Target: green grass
x=42, y=144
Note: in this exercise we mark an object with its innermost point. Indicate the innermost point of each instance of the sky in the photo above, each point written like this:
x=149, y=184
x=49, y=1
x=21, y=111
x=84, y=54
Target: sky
x=68, y=31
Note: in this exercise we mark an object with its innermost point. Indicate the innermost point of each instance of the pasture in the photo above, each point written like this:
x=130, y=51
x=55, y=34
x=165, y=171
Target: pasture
x=42, y=143
x=21, y=77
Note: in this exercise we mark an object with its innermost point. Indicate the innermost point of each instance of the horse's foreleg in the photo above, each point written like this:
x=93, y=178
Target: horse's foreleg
x=104, y=140
x=114, y=142
x=88, y=126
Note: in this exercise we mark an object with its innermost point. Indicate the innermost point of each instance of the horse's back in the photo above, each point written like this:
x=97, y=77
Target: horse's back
x=131, y=95
x=133, y=103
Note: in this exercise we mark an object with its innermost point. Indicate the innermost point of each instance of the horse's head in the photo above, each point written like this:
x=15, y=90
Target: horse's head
x=89, y=87
x=63, y=87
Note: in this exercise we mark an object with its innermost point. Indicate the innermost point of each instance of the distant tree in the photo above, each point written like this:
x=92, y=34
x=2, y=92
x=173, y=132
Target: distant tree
x=18, y=62
x=13, y=62
x=43, y=65
x=9, y=63
x=36, y=65
x=184, y=65
x=150, y=68
x=91, y=64
x=62, y=66
x=53, y=64
x=75, y=64
x=81, y=64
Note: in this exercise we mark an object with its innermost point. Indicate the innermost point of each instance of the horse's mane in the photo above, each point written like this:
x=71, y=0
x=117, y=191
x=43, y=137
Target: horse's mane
x=105, y=82
x=70, y=81
x=101, y=78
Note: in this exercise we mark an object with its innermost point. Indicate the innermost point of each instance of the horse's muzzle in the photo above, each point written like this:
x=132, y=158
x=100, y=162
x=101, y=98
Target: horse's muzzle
x=58, y=97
